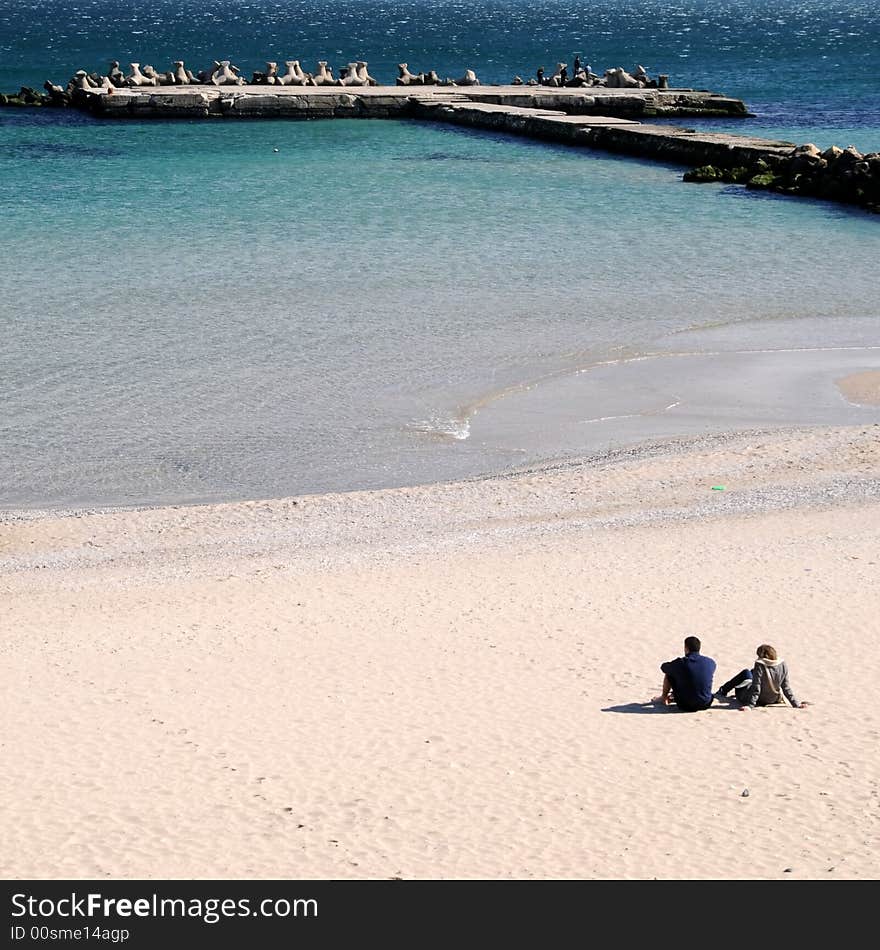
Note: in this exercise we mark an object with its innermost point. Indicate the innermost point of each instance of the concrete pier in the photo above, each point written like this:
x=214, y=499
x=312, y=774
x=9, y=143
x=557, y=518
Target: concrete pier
x=596, y=117
x=611, y=133
x=308, y=102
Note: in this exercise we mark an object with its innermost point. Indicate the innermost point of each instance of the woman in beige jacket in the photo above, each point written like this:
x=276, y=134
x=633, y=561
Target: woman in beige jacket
x=765, y=684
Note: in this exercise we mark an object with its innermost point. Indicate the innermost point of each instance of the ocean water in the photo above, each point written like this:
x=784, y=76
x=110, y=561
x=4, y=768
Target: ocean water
x=189, y=315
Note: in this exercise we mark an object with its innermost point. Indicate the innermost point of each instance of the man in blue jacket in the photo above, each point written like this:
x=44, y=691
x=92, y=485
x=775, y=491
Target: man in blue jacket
x=687, y=680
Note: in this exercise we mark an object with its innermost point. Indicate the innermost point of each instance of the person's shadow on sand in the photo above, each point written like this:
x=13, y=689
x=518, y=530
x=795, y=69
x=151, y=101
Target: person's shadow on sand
x=650, y=706
x=647, y=707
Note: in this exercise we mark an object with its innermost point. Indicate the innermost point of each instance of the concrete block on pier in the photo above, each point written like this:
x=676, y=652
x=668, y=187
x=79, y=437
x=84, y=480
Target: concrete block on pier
x=266, y=105
x=181, y=104
x=380, y=106
x=116, y=104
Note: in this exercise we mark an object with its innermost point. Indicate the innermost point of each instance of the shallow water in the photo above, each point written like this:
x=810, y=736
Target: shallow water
x=188, y=315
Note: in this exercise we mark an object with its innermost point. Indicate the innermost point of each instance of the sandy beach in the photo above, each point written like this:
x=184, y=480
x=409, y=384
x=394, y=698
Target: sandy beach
x=454, y=681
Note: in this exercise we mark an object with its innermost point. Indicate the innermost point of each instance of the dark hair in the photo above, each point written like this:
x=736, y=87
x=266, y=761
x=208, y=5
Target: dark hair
x=692, y=644
x=766, y=652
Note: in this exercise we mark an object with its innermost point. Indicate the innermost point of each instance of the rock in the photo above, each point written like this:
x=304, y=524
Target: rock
x=702, y=174
x=620, y=79
x=181, y=78
x=349, y=76
x=324, y=75
x=406, y=78
x=764, y=180
x=137, y=78
x=226, y=75
x=706, y=173
x=735, y=175
x=468, y=79
x=295, y=76
x=367, y=79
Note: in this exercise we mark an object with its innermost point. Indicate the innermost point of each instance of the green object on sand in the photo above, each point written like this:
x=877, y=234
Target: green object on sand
x=717, y=488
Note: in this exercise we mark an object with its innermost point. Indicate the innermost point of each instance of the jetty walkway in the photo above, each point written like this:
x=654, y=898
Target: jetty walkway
x=306, y=102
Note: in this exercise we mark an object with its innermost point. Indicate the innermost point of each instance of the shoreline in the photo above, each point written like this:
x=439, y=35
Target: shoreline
x=641, y=451
x=763, y=471
x=585, y=414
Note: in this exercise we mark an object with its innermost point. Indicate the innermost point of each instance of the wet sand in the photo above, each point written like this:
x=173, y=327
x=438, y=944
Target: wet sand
x=861, y=388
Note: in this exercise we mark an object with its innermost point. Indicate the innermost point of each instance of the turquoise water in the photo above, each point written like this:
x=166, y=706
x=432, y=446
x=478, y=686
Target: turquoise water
x=189, y=315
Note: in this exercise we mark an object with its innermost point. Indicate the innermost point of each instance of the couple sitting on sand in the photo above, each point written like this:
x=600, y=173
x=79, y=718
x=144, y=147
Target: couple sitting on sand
x=687, y=681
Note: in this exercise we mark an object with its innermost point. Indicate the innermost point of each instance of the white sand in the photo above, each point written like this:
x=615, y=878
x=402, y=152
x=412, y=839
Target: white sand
x=451, y=681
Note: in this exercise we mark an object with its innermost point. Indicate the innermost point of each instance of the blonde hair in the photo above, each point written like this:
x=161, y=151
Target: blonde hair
x=766, y=652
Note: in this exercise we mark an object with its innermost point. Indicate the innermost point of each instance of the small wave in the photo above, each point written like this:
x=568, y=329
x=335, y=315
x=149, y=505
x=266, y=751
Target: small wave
x=457, y=429
x=635, y=415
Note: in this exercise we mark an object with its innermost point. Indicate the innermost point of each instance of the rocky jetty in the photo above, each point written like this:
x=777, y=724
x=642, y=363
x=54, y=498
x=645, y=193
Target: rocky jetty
x=836, y=174
x=28, y=98
x=616, y=92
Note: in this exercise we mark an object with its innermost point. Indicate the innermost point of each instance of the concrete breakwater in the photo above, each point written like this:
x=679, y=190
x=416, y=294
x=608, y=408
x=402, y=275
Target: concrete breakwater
x=843, y=175
x=298, y=102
